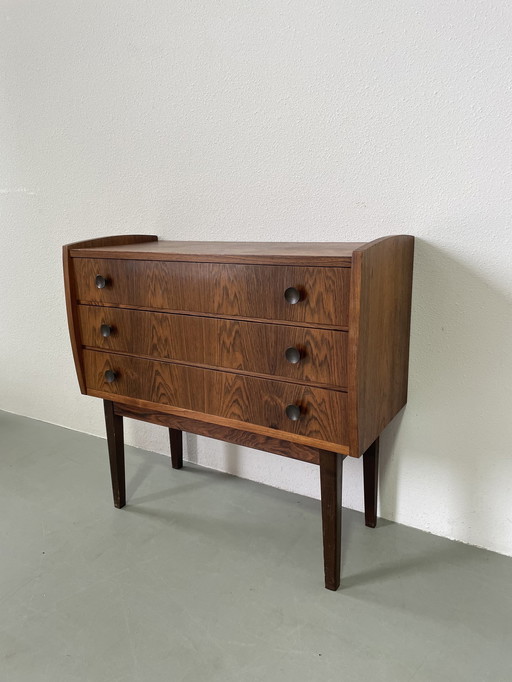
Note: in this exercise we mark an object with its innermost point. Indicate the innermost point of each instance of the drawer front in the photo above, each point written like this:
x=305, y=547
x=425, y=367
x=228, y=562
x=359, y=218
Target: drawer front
x=254, y=291
x=236, y=397
x=231, y=344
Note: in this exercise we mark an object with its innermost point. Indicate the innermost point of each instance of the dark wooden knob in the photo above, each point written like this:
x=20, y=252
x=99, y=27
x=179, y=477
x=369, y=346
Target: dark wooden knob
x=293, y=412
x=110, y=375
x=106, y=330
x=292, y=295
x=101, y=282
x=292, y=355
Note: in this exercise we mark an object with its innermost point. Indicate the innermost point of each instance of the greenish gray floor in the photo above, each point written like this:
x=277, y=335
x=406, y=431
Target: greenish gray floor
x=208, y=577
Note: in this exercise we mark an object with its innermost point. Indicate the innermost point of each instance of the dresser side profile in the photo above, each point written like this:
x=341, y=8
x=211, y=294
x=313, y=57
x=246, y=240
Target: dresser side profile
x=378, y=337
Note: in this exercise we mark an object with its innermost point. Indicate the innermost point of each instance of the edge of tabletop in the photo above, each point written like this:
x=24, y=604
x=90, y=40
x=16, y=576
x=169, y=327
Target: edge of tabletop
x=142, y=247
x=149, y=248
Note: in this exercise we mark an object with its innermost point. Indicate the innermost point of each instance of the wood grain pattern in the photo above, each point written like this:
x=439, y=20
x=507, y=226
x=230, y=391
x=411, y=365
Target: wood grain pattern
x=247, y=439
x=232, y=290
x=380, y=309
x=240, y=399
x=251, y=347
x=335, y=254
x=71, y=294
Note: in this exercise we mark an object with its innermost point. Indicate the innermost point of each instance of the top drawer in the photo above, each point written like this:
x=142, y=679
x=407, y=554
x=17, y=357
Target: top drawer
x=253, y=291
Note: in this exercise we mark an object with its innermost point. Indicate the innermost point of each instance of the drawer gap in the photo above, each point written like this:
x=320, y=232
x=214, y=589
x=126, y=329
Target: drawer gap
x=286, y=323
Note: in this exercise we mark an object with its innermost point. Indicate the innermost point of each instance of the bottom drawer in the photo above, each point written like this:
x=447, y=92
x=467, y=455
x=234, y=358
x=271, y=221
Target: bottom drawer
x=229, y=396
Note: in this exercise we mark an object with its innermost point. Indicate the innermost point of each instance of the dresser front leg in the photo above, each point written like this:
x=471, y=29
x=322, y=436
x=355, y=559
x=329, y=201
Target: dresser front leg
x=331, y=476
x=115, y=440
x=371, y=481
x=176, y=438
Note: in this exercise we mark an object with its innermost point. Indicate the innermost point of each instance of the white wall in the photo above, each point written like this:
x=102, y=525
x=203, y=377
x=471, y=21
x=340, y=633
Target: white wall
x=277, y=121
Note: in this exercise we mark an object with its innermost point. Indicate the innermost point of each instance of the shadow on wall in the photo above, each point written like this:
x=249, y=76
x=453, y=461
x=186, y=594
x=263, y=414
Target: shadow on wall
x=191, y=446
x=455, y=433
x=230, y=455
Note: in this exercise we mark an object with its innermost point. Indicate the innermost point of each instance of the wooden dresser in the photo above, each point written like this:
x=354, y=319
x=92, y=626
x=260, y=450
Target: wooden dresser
x=297, y=349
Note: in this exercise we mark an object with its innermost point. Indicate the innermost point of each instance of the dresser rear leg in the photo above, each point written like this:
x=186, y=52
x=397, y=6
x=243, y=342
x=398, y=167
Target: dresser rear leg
x=370, y=477
x=331, y=470
x=115, y=440
x=176, y=438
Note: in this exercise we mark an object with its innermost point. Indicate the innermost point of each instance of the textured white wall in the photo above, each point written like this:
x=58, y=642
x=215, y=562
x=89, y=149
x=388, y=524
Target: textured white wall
x=277, y=121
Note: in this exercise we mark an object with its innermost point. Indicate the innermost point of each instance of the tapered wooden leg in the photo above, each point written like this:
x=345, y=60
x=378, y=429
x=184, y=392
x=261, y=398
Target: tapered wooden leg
x=176, y=438
x=115, y=440
x=331, y=469
x=371, y=481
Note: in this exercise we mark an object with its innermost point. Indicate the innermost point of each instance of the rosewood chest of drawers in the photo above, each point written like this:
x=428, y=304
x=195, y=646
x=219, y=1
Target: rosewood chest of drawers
x=297, y=349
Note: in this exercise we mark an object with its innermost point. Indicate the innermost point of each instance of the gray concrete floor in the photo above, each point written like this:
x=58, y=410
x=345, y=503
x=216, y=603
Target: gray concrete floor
x=208, y=577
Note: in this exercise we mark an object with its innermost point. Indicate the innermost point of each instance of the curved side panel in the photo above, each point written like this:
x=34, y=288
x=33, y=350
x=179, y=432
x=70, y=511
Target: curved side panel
x=69, y=286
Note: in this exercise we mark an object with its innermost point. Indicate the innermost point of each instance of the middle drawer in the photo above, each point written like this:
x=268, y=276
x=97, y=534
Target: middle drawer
x=314, y=355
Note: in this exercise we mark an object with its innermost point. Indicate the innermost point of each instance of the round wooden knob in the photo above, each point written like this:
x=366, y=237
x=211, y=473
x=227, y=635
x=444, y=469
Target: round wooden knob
x=106, y=330
x=293, y=412
x=101, y=282
x=110, y=375
x=292, y=295
x=292, y=355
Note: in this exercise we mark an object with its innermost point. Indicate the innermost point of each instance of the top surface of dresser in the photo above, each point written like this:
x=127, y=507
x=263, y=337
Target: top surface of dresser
x=289, y=253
